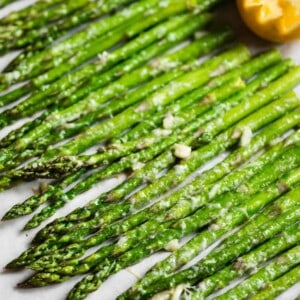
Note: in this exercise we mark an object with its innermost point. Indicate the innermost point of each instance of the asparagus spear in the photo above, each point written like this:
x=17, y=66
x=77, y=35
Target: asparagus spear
x=32, y=104
x=28, y=12
x=284, y=162
x=217, y=259
x=136, y=95
x=216, y=146
x=31, y=203
x=222, y=225
x=200, y=218
x=134, y=114
x=89, y=262
x=66, y=47
x=94, y=280
x=40, y=38
x=155, y=144
x=51, y=14
x=203, y=45
x=98, y=45
x=160, y=135
x=248, y=262
x=15, y=263
x=93, y=31
x=125, y=119
x=246, y=71
x=258, y=142
x=86, y=161
x=185, y=207
x=278, y=286
x=38, y=9
x=61, y=202
x=163, y=30
x=14, y=95
x=261, y=278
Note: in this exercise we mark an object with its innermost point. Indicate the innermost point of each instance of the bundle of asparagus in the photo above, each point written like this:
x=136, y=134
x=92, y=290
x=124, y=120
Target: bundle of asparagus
x=131, y=85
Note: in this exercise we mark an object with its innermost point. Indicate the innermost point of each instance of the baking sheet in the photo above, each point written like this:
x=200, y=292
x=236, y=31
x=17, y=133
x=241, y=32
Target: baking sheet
x=13, y=241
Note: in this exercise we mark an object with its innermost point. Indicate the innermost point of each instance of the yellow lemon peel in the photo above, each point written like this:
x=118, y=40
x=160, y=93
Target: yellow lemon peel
x=273, y=20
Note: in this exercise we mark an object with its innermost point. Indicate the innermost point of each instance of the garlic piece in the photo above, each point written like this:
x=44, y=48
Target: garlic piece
x=182, y=151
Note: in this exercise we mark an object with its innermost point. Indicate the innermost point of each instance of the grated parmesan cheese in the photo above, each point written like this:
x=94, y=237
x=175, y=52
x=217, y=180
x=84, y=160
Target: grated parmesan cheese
x=137, y=165
x=172, y=245
x=182, y=151
x=246, y=136
x=103, y=57
x=168, y=121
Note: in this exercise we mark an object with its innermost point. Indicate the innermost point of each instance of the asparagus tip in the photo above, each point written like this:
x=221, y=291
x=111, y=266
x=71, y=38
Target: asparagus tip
x=13, y=265
x=25, y=285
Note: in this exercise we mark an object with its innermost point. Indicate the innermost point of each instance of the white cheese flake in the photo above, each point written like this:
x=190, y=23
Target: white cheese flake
x=236, y=133
x=243, y=188
x=246, y=136
x=214, y=227
x=162, y=296
x=182, y=151
x=172, y=245
x=103, y=57
x=199, y=34
x=178, y=291
x=180, y=169
x=161, y=132
x=168, y=121
x=142, y=107
x=137, y=166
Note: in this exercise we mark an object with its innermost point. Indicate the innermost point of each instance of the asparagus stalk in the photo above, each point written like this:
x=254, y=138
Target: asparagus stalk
x=185, y=207
x=52, y=191
x=203, y=45
x=280, y=285
x=216, y=146
x=39, y=38
x=250, y=261
x=284, y=162
x=266, y=135
x=94, y=280
x=247, y=71
x=14, y=95
x=95, y=30
x=295, y=100
x=28, y=12
x=52, y=14
x=217, y=259
x=32, y=104
x=135, y=96
x=25, y=108
x=200, y=218
x=25, y=206
x=127, y=118
x=98, y=45
x=260, y=279
x=87, y=161
x=132, y=114
x=222, y=225
x=158, y=135
x=66, y=47
x=155, y=144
